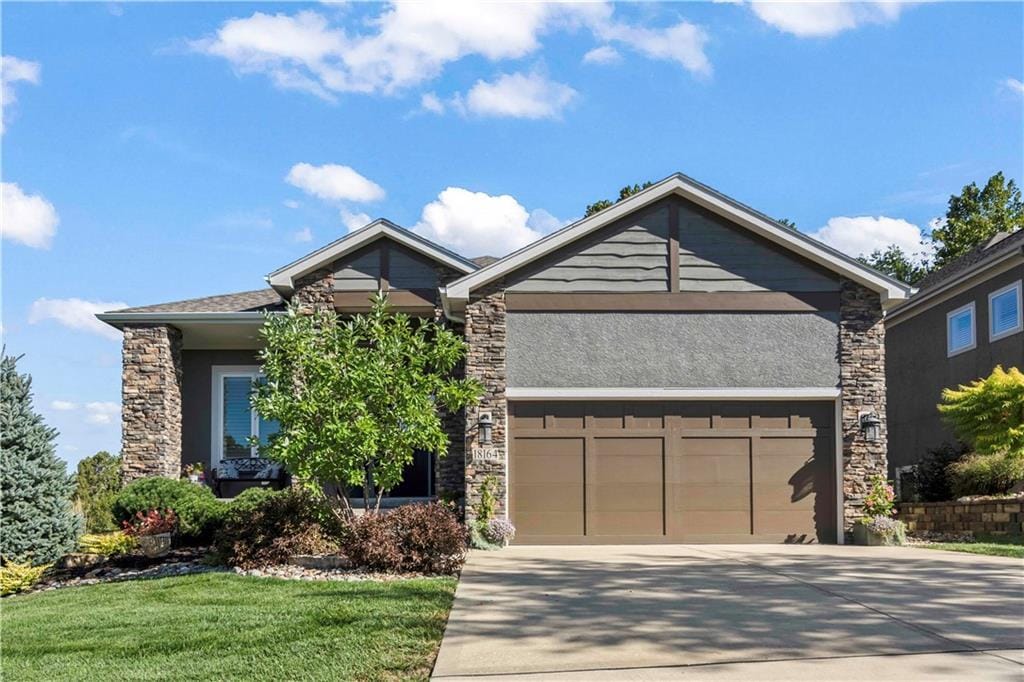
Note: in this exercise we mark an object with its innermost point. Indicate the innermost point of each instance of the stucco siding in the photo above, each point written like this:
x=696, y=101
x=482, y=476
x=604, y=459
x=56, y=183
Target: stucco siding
x=716, y=256
x=918, y=368
x=196, y=392
x=630, y=256
x=678, y=350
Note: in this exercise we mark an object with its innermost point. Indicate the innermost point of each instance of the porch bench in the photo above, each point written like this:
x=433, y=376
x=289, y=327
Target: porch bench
x=232, y=476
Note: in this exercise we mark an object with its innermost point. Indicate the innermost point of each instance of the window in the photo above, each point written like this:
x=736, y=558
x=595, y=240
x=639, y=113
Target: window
x=234, y=421
x=1004, y=312
x=960, y=330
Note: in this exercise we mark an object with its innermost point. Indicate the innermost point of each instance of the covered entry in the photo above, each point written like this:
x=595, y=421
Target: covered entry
x=673, y=471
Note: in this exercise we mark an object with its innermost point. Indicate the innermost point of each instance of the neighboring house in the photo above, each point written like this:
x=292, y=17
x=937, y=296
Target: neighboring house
x=963, y=321
x=676, y=368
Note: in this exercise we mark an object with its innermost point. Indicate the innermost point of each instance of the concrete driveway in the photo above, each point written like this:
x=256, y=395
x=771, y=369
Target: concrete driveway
x=734, y=612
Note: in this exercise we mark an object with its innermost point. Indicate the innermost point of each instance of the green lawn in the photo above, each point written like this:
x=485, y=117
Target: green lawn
x=990, y=545
x=226, y=627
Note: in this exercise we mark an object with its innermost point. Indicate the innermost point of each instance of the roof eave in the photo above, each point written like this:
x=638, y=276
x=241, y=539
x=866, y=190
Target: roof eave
x=120, y=320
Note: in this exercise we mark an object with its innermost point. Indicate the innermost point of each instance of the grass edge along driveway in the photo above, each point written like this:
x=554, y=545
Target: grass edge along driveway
x=227, y=627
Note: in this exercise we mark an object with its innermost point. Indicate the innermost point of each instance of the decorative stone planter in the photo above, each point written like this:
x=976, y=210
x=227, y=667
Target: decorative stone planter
x=154, y=546
x=864, y=535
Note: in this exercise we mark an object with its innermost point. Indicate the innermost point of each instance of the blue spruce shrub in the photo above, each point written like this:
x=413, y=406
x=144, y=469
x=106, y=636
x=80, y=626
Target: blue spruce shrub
x=38, y=520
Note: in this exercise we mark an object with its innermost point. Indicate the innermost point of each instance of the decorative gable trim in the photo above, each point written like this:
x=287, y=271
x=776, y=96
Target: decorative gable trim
x=283, y=279
x=891, y=291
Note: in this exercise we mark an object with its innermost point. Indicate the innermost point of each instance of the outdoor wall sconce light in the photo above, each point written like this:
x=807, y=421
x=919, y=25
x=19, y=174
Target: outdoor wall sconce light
x=486, y=424
x=871, y=426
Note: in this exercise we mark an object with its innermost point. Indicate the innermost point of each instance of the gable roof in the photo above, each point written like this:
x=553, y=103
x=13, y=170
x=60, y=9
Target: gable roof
x=891, y=290
x=283, y=279
x=963, y=265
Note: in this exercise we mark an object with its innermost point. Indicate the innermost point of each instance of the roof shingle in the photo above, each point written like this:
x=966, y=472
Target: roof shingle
x=244, y=301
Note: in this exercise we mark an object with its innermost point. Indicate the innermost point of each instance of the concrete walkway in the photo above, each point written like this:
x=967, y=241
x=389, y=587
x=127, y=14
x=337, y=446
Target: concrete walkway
x=735, y=612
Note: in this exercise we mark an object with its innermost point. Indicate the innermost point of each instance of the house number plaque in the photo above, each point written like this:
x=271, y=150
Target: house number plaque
x=486, y=455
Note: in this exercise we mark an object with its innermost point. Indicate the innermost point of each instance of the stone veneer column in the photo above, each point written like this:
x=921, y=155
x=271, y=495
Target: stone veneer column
x=862, y=372
x=151, y=402
x=485, y=360
x=315, y=291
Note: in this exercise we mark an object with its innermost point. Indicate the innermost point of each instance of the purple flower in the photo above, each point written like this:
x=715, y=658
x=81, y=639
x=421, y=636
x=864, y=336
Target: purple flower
x=499, y=531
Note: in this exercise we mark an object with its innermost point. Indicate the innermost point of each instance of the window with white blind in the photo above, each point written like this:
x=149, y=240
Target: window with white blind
x=960, y=330
x=233, y=420
x=1004, y=312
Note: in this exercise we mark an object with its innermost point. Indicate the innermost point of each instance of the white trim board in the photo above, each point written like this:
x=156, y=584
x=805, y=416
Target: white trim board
x=890, y=289
x=283, y=279
x=808, y=393
x=1014, y=287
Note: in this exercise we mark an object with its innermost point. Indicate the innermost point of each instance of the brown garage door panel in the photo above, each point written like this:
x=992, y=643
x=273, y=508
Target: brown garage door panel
x=547, y=486
x=674, y=471
x=625, y=486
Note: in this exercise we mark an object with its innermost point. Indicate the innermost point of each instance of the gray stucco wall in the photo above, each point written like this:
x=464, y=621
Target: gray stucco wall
x=196, y=394
x=917, y=368
x=680, y=350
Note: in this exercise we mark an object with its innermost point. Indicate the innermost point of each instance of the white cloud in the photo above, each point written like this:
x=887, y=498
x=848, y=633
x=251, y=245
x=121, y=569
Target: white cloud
x=1014, y=86
x=334, y=183
x=825, y=19
x=432, y=103
x=682, y=43
x=27, y=218
x=75, y=313
x=410, y=43
x=63, y=405
x=861, y=235
x=14, y=70
x=518, y=95
x=476, y=223
x=303, y=235
x=353, y=220
x=604, y=54
x=291, y=203
x=102, y=413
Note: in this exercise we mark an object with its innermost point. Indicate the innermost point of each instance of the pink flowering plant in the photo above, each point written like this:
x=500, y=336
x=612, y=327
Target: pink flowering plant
x=878, y=515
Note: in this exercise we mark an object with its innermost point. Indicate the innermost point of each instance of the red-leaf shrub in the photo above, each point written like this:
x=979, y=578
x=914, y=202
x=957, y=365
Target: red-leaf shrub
x=152, y=522
x=422, y=538
x=266, y=529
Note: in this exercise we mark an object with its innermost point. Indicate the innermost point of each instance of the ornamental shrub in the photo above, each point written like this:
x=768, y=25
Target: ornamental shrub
x=422, y=538
x=931, y=475
x=264, y=528
x=96, y=485
x=107, y=544
x=39, y=524
x=988, y=414
x=991, y=474
x=499, y=531
x=199, y=512
x=19, y=577
x=879, y=500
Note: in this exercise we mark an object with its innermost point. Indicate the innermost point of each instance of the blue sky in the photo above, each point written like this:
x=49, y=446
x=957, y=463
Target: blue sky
x=164, y=151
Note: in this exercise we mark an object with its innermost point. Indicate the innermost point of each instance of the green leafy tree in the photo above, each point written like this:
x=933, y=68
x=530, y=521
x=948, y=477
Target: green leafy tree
x=624, y=193
x=96, y=485
x=988, y=414
x=975, y=215
x=356, y=398
x=786, y=222
x=896, y=263
x=38, y=521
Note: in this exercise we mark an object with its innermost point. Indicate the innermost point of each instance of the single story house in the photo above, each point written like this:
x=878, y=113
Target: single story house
x=965, y=319
x=675, y=368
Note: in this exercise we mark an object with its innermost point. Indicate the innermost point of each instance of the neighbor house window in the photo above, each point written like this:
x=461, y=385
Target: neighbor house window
x=960, y=330
x=1004, y=312
x=234, y=421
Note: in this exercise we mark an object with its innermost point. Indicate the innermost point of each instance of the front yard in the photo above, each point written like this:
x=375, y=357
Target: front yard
x=990, y=546
x=227, y=627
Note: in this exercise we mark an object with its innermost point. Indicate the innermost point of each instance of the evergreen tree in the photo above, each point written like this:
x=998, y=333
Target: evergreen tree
x=38, y=522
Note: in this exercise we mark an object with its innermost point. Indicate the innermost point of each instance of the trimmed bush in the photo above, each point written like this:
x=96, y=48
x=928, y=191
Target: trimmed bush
x=199, y=513
x=931, y=478
x=19, y=577
x=422, y=538
x=986, y=474
x=97, y=483
x=107, y=544
x=264, y=528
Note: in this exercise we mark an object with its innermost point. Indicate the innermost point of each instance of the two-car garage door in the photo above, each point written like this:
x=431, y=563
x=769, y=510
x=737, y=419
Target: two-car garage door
x=633, y=472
